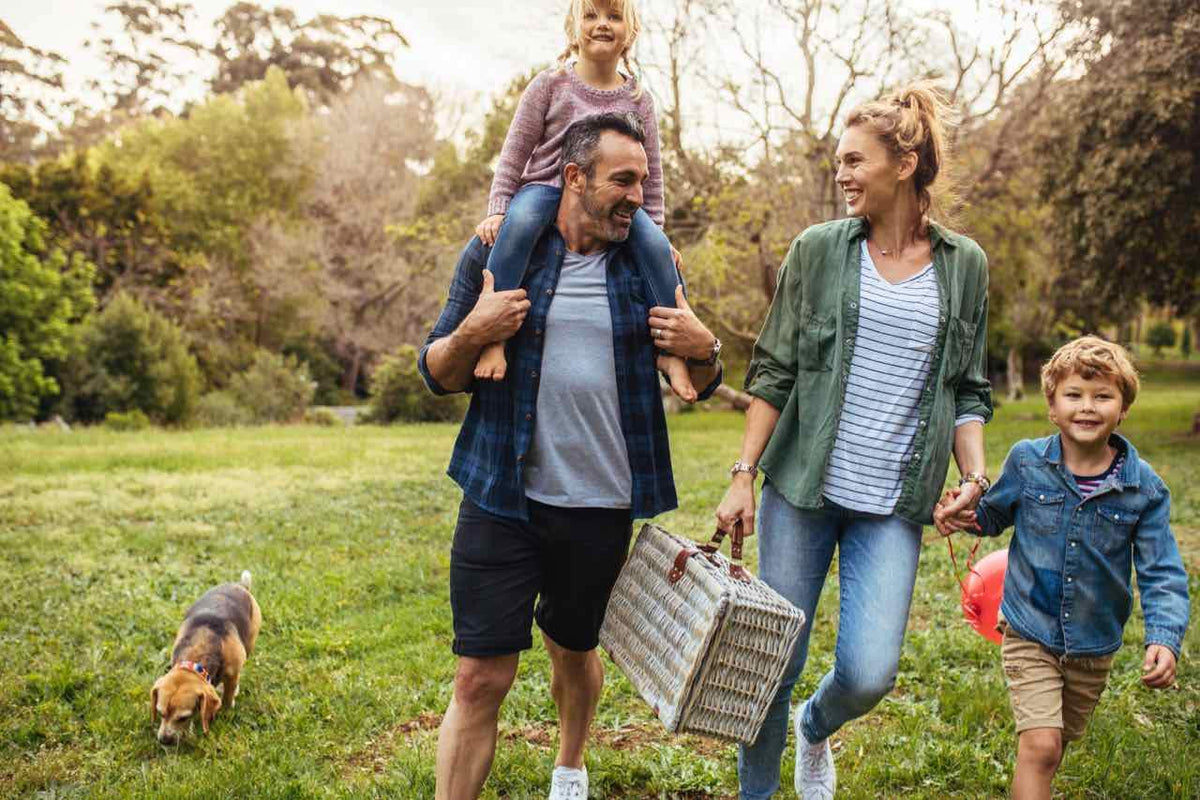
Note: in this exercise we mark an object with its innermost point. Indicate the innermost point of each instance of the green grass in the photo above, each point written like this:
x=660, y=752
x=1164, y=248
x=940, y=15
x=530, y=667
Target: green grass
x=106, y=538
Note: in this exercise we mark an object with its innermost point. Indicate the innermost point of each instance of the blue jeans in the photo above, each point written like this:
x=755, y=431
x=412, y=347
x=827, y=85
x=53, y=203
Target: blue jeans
x=535, y=206
x=877, y=558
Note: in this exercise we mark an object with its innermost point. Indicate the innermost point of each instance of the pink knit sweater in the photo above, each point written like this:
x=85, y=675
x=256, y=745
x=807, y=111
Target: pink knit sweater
x=551, y=102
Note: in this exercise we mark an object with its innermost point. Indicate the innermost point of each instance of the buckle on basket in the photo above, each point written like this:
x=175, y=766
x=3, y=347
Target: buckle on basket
x=709, y=551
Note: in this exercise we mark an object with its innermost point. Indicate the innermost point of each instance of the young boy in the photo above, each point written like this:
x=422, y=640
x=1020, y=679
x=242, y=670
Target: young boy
x=1084, y=508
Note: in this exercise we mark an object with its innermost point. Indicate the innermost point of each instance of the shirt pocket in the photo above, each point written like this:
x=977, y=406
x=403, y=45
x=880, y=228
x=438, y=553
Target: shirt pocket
x=1112, y=529
x=814, y=350
x=960, y=344
x=1041, y=511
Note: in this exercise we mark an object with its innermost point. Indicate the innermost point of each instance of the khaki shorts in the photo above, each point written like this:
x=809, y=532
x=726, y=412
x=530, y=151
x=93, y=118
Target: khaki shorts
x=1048, y=691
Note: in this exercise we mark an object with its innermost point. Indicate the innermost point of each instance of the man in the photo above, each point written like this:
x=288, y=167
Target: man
x=558, y=460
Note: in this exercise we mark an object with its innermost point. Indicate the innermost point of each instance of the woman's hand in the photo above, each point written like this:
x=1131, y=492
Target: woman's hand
x=738, y=503
x=488, y=228
x=956, y=510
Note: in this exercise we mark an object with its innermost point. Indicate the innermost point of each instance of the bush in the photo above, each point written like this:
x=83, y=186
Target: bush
x=1185, y=347
x=221, y=410
x=1160, y=335
x=323, y=417
x=131, y=357
x=399, y=395
x=133, y=420
x=274, y=389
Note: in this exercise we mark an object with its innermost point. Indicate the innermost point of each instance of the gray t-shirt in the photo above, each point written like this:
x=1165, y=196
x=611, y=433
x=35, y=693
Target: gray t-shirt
x=578, y=457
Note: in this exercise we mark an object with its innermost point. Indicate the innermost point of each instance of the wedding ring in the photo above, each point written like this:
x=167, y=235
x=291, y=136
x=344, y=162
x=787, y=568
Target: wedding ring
x=655, y=333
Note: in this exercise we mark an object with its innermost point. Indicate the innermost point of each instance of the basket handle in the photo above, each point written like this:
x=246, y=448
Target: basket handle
x=736, y=570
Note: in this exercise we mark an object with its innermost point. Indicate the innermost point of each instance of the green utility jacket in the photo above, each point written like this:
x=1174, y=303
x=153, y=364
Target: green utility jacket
x=802, y=361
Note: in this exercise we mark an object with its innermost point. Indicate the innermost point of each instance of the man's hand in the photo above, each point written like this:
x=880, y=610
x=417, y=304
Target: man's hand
x=956, y=510
x=488, y=228
x=1159, y=667
x=679, y=331
x=738, y=503
x=496, y=316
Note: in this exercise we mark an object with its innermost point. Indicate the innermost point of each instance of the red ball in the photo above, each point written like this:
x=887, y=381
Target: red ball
x=982, y=592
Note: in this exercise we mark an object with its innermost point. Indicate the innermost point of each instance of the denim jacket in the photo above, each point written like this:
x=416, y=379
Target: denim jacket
x=1068, y=580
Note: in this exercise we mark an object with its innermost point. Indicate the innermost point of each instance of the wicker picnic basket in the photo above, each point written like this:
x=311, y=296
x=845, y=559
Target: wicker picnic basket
x=702, y=640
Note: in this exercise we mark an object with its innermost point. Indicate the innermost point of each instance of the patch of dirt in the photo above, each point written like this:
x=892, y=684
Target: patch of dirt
x=377, y=754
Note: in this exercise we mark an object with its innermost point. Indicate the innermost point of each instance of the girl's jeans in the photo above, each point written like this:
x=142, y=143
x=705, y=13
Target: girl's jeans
x=877, y=558
x=535, y=206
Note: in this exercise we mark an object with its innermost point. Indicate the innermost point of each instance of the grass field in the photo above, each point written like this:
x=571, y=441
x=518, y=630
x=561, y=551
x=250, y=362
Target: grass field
x=105, y=539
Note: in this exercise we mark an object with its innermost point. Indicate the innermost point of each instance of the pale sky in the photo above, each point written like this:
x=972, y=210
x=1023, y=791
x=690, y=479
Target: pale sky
x=463, y=50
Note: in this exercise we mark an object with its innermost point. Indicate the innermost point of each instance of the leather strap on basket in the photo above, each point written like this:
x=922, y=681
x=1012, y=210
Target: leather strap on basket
x=736, y=570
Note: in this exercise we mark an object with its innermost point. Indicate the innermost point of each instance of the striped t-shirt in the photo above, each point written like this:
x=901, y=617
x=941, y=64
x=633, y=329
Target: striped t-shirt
x=893, y=352
x=1088, y=484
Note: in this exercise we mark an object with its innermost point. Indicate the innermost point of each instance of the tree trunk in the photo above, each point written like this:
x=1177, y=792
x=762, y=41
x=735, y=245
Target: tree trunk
x=350, y=376
x=1016, y=374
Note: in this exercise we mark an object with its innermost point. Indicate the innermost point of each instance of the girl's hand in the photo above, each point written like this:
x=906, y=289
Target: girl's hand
x=1159, y=667
x=738, y=503
x=677, y=257
x=487, y=230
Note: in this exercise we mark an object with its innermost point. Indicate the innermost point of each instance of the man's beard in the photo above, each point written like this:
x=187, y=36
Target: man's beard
x=608, y=227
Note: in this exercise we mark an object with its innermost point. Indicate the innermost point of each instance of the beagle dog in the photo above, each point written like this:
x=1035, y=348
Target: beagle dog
x=217, y=634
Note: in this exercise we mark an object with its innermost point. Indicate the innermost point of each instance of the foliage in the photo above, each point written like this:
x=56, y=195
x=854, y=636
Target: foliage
x=1160, y=335
x=131, y=357
x=274, y=389
x=1185, y=346
x=324, y=417
x=41, y=294
x=133, y=420
x=327, y=55
x=1121, y=164
x=398, y=394
x=219, y=409
x=30, y=77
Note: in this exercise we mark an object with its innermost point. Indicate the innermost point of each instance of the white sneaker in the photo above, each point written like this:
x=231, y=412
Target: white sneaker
x=569, y=784
x=815, y=777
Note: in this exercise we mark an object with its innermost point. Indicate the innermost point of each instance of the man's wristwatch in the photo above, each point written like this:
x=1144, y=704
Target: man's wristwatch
x=712, y=357
x=979, y=480
x=742, y=466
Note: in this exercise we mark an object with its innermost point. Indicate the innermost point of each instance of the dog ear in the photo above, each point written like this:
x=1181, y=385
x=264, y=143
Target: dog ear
x=154, y=705
x=209, y=706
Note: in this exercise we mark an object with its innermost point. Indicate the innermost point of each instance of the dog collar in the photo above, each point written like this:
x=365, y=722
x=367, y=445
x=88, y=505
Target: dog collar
x=195, y=667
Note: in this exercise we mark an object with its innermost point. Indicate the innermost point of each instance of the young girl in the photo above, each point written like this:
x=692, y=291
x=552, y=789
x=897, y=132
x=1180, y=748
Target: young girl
x=528, y=185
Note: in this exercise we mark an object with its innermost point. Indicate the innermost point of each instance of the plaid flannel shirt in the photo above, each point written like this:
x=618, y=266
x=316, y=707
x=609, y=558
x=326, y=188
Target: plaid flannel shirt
x=489, y=455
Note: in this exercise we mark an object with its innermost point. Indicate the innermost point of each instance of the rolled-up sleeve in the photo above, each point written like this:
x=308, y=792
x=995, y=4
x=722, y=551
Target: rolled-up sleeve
x=464, y=292
x=773, y=365
x=974, y=395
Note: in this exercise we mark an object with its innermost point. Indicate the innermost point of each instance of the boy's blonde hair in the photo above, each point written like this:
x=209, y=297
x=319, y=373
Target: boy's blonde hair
x=1091, y=357
x=573, y=24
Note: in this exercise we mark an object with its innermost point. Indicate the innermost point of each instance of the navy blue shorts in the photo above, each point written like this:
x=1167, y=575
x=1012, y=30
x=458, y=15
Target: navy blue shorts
x=558, y=568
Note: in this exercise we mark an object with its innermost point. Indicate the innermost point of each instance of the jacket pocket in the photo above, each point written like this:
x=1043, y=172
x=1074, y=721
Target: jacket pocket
x=1041, y=511
x=1112, y=529
x=814, y=351
x=960, y=343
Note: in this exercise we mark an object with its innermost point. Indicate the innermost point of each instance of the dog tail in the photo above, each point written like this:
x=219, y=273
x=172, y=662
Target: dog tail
x=245, y=581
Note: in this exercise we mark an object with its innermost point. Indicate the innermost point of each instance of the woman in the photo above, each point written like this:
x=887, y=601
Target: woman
x=869, y=369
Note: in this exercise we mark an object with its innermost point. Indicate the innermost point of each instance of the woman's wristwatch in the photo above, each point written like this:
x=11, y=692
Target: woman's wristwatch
x=742, y=466
x=976, y=478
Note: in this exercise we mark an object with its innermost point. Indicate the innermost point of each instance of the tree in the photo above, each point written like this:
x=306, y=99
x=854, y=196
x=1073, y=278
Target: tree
x=128, y=358
x=41, y=294
x=375, y=263
x=326, y=55
x=30, y=81
x=1160, y=335
x=1122, y=162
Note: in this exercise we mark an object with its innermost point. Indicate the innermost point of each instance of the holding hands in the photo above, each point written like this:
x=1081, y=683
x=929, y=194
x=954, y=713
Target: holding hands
x=956, y=510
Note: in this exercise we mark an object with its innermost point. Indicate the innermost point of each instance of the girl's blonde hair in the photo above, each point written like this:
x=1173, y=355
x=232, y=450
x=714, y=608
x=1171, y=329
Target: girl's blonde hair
x=574, y=24
x=912, y=119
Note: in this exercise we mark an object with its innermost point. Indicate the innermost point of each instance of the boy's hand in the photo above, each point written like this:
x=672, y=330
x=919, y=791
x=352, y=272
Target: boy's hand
x=953, y=513
x=488, y=228
x=1159, y=667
